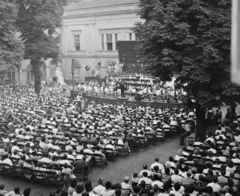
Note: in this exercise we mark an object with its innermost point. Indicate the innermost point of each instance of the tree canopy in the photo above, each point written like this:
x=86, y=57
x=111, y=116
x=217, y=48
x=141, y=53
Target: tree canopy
x=38, y=22
x=11, y=49
x=193, y=38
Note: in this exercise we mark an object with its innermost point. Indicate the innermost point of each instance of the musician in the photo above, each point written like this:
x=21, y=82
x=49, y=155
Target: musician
x=138, y=97
x=122, y=88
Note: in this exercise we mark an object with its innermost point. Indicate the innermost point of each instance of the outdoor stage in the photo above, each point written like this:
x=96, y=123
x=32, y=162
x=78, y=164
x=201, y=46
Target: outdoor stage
x=126, y=101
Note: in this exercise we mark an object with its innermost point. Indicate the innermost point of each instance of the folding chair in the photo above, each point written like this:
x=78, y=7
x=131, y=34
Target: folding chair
x=167, y=131
x=99, y=160
x=174, y=129
x=142, y=142
x=133, y=145
x=6, y=169
x=82, y=174
x=53, y=178
x=27, y=172
x=14, y=160
x=110, y=154
x=38, y=175
x=151, y=138
x=160, y=134
x=121, y=149
x=17, y=171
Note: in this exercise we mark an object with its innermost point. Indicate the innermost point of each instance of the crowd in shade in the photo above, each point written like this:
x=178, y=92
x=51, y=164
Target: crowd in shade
x=49, y=135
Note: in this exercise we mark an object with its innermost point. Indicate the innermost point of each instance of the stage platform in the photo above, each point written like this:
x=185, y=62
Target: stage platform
x=127, y=101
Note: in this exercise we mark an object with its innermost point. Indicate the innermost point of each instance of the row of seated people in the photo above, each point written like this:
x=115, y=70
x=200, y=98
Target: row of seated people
x=210, y=168
x=159, y=179
x=42, y=137
x=37, y=152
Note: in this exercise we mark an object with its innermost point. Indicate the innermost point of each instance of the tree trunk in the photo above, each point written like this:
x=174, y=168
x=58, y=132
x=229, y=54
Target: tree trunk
x=200, y=132
x=36, y=68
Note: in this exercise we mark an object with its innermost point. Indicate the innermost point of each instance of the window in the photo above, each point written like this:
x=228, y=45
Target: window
x=30, y=76
x=11, y=74
x=102, y=41
x=77, y=42
x=109, y=42
x=116, y=39
x=130, y=36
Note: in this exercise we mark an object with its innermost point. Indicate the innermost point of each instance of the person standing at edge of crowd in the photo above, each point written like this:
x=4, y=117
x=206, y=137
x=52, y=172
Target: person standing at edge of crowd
x=189, y=128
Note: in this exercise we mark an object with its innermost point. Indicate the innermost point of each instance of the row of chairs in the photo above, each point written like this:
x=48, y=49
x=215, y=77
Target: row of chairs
x=31, y=174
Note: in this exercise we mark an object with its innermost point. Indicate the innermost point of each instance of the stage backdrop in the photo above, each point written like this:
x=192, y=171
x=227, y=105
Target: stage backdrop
x=129, y=57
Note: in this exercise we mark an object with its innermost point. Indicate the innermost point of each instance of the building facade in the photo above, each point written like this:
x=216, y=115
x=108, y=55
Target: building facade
x=90, y=34
x=25, y=75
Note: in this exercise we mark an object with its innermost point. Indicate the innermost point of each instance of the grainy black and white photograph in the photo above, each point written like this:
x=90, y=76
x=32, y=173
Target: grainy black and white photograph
x=119, y=97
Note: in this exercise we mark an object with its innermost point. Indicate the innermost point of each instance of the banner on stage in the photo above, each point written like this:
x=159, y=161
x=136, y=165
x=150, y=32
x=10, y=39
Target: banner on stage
x=235, y=69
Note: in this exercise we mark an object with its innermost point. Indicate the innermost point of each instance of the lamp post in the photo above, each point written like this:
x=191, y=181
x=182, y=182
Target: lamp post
x=73, y=68
x=19, y=74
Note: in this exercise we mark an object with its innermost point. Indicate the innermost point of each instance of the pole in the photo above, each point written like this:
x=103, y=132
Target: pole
x=73, y=81
x=73, y=69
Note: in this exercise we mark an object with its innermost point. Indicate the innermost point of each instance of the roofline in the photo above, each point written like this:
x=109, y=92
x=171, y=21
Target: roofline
x=74, y=7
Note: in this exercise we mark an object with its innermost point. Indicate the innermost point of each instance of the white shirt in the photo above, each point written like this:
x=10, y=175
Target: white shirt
x=147, y=180
x=7, y=161
x=159, y=165
x=158, y=183
x=175, y=193
x=15, y=148
x=148, y=172
x=98, y=189
x=176, y=178
x=125, y=185
x=215, y=186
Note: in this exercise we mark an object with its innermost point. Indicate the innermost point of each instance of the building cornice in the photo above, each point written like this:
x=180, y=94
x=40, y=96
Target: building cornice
x=101, y=14
x=90, y=56
x=76, y=6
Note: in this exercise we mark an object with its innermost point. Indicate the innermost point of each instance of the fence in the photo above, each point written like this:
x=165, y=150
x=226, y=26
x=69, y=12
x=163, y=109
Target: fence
x=111, y=99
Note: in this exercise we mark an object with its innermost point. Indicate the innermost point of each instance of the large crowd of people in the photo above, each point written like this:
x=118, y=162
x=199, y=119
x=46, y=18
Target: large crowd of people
x=50, y=134
x=209, y=168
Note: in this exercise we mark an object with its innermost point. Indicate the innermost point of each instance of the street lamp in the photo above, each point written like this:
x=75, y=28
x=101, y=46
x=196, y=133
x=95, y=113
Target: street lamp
x=73, y=69
x=19, y=73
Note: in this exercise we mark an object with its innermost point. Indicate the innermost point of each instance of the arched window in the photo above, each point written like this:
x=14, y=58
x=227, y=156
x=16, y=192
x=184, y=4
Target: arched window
x=53, y=64
x=12, y=75
x=30, y=75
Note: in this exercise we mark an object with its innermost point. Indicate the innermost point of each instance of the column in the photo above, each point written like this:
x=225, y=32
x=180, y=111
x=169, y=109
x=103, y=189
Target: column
x=114, y=41
x=133, y=36
x=105, y=41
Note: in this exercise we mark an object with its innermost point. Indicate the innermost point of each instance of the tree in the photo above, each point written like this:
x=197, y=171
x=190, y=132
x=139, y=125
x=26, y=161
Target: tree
x=193, y=38
x=38, y=21
x=11, y=49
